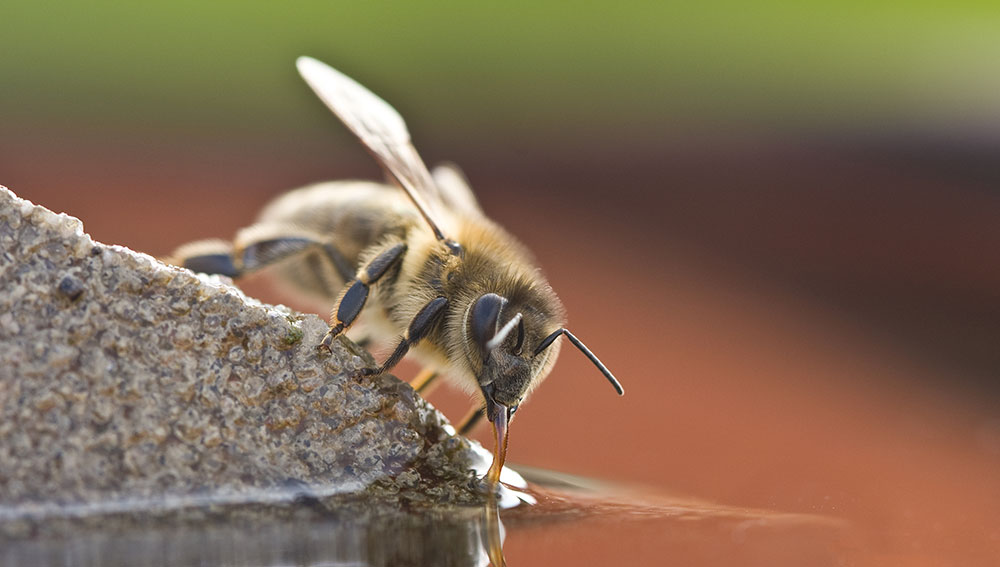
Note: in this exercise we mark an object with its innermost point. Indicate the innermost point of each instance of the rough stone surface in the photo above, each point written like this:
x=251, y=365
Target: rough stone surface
x=129, y=384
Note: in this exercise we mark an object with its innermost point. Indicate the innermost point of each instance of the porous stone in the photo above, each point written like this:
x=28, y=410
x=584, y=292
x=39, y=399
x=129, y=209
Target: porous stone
x=128, y=384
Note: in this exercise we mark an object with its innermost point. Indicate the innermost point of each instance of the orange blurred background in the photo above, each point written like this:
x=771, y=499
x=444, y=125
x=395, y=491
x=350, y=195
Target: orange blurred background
x=780, y=229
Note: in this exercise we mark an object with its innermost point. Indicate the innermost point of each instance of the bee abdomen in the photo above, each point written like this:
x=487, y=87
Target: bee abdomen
x=347, y=218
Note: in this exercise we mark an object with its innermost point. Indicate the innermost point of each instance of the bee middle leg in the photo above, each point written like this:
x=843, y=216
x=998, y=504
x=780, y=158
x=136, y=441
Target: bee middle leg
x=419, y=328
x=354, y=296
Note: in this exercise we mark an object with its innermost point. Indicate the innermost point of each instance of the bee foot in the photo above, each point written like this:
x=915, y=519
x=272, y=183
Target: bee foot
x=475, y=483
x=482, y=485
x=365, y=372
x=324, y=345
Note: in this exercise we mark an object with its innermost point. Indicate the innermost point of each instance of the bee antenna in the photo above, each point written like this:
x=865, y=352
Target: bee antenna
x=547, y=341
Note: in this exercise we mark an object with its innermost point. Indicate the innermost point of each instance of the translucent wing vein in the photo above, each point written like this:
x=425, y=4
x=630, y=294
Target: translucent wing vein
x=380, y=128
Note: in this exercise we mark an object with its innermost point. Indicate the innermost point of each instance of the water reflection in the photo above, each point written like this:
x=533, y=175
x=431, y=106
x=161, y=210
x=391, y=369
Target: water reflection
x=466, y=537
x=600, y=524
x=492, y=534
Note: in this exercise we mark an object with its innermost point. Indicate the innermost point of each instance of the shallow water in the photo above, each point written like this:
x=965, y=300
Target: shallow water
x=557, y=518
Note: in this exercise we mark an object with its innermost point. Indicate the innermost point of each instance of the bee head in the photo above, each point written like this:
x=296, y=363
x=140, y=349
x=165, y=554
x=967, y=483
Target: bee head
x=497, y=333
x=516, y=355
x=516, y=352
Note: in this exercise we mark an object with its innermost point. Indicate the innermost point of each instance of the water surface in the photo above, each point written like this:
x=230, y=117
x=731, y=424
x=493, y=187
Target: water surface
x=555, y=519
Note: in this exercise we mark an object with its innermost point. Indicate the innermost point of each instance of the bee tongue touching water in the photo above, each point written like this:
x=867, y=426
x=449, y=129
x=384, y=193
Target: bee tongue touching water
x=500, y=420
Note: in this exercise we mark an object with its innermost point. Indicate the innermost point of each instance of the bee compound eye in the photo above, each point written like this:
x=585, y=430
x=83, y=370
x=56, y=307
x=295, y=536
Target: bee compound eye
x=520, y=337
x=483, y=319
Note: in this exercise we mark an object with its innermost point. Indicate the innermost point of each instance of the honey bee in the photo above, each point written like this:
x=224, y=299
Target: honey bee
x=455, y=288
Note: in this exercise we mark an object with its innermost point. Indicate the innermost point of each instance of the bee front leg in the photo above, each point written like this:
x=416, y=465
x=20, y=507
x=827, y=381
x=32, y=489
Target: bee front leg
x=419, y=327
x=353, y=298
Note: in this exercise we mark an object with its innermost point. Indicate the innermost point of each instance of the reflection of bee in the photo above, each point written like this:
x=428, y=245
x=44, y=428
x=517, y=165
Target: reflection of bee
x=464, y=295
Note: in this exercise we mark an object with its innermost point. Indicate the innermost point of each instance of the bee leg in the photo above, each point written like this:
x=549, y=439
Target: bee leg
x=471, y=420
x=425, y=382
x=353, y=298
x=256, y=247
x=262, y=253
x=419, y=327
x=207, y=257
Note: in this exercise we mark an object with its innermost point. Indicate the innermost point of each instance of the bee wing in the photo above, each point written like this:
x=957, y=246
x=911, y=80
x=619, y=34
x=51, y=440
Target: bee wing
x=454, y=190
x=380, y=128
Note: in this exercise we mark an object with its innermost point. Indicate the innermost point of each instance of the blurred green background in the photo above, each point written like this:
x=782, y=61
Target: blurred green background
x=530, y=67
